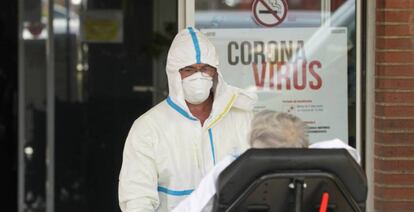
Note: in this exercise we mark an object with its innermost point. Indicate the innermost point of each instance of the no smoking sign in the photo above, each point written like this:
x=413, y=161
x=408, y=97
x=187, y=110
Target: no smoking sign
x=269, y=13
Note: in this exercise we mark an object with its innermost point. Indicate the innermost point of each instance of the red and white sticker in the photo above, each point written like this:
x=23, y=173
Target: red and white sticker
x=269, y=13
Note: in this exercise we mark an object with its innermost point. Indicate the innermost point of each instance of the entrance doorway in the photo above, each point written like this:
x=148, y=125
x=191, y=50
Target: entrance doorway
x=87, y=70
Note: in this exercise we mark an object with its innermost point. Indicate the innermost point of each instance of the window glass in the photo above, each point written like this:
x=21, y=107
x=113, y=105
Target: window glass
x=297, y=55
x=107, y=59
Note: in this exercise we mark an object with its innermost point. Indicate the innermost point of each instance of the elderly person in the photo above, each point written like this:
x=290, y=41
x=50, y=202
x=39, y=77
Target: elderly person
x=269, y=129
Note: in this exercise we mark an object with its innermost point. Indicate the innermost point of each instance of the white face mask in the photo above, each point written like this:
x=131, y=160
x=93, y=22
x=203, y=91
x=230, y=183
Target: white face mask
x=197, y=88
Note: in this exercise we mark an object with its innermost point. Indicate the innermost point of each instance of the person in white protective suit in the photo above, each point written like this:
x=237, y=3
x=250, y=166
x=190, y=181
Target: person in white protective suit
x=172, y=146
x=269, y=129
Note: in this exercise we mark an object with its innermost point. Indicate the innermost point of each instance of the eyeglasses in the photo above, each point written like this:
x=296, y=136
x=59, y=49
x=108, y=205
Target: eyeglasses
x=207, y=71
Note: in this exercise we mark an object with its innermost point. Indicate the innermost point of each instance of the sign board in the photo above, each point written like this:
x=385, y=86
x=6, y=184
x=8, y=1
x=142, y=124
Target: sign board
x=302, y=71
x=269, y=13
x=102, y=26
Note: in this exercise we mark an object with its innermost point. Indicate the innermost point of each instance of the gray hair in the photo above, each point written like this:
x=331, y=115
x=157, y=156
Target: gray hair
x=272, y=129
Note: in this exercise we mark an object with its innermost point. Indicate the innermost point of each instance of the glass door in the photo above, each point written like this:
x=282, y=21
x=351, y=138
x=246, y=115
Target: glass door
x=88, y=69
x=299, y=56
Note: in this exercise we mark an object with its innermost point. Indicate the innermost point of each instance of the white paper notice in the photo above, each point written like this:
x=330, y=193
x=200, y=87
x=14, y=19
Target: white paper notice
x=302, y=71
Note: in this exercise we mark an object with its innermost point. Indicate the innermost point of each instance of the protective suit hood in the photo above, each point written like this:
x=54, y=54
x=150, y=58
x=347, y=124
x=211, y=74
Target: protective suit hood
x=189, y=47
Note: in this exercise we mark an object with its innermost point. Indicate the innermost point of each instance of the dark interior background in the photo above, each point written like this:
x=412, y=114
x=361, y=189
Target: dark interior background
x=8, y=102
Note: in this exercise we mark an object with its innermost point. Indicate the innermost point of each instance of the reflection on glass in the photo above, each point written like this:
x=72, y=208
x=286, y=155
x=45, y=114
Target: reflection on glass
x=238, y=13
x=95, y=100
x=320, y=15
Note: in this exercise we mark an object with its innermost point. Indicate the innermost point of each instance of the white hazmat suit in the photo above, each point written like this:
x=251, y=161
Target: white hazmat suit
x=168, y=151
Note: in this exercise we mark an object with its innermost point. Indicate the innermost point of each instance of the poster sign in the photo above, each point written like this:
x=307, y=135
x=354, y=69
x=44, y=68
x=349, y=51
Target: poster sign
x=102, y=26
x=302, y=71
x=269, y=13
